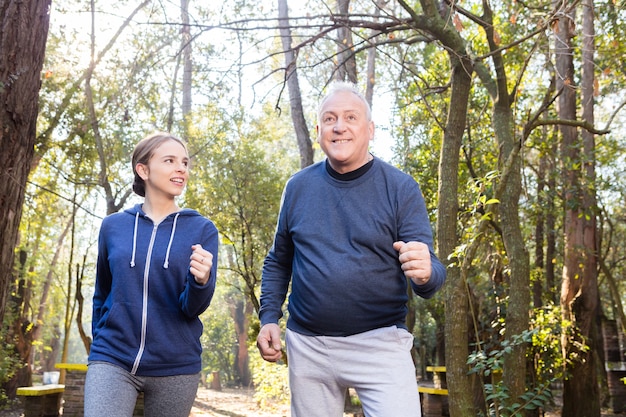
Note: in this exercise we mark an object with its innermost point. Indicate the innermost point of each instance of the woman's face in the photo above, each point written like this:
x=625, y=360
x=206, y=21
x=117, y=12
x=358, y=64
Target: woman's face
x=167, y=170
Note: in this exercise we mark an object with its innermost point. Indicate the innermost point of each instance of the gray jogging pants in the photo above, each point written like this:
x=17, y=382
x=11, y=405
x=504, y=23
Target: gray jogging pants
x=377, y=364
x=110, y=391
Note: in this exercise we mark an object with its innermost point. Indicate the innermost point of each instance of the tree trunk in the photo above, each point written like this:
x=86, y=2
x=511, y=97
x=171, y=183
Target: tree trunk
x=241, y=311
x=187, y=63
x=517, y=316
x=80, y=300
x=456, y=292
x=509, y=191
x=295, y=97
x=22, y=47
x=346, y=61
x=540, y=231
x=45, y=292
x=579, y=286
x=551, y=231
x=371, y=60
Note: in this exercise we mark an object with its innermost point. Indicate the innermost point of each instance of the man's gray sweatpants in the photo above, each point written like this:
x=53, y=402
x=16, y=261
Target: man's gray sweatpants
x=377, y=364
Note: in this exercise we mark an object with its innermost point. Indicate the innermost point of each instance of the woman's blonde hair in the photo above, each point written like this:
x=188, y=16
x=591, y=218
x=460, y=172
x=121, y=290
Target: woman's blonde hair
x=143, y=152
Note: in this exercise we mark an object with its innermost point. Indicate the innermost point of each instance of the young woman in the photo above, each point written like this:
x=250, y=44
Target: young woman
x=155, y=275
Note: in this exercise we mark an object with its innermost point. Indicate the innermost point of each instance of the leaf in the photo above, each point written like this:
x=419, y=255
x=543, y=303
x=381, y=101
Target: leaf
x=496, y=37
x=457, y=23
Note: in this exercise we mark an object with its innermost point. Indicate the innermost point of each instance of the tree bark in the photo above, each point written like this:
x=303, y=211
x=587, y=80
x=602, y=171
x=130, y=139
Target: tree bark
x=241, y=310
x=187, y=63
x=22, y=46
x=295, y=97
x=540, y=230
x=456, y=291
x=346, y=61
x=579, y=286
x=510, y=187
x=47, y=284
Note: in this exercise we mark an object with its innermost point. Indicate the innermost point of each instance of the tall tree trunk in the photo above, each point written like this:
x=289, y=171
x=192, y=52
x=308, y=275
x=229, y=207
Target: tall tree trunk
x=187, y=63
x=50, y=275
x=517, y=315
x=22, y=46
x=371, y=57
x=540, y=230
x=510, y=187
x=85, y=335
x=241, y=310
x=295, y=97
x=579, y=285
x=456, y=291
x=551, y=231
x=114, y=200
x=346, y=61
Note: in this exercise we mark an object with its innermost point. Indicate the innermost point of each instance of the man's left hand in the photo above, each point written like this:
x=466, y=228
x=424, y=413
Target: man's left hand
x=415, y=260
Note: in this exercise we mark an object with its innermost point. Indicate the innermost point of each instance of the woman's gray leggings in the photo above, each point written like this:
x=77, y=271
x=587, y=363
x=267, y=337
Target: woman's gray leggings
x=112, y=392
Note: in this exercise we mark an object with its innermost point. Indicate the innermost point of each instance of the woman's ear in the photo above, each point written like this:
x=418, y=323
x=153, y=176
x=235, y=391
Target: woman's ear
x=142, y=171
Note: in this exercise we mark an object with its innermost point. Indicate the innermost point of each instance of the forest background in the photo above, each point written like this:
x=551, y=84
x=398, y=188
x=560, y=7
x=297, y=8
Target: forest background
x=507, y=113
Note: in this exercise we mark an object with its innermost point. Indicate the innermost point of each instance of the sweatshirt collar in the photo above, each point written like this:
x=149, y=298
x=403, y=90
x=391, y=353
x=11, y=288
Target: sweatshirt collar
x=169, y=245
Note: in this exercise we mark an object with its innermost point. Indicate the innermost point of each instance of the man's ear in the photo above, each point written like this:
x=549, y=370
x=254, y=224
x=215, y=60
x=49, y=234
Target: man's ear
x=142, y=171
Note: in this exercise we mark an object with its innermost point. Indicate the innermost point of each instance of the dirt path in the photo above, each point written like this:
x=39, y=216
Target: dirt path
x=233, y=403
x=240, y=403
x=237, y=403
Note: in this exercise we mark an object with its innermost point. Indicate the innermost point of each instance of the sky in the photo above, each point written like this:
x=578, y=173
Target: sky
x=381, y=146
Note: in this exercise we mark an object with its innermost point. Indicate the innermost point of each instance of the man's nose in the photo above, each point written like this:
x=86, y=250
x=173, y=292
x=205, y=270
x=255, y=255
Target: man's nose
x=339, y=126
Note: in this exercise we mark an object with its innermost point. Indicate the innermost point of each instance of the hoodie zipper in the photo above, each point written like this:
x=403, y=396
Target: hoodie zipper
x=144, y=312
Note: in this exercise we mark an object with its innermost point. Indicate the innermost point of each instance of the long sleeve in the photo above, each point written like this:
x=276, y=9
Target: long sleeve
x=196, y=298
x=103, y=280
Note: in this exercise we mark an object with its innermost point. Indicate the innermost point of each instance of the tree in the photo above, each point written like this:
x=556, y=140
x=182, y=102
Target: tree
x=579, y=291
x=291, y=79
x=22, y=46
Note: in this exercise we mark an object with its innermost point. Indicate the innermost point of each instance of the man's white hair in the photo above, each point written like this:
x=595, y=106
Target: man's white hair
x=344, y=86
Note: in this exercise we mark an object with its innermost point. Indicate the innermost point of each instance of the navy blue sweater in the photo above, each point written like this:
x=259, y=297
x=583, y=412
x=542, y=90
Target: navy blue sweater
x=146, y=302
x=334, y=242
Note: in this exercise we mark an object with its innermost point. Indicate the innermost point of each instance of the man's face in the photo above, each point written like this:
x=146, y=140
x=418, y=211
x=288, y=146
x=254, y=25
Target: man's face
x=344, y=131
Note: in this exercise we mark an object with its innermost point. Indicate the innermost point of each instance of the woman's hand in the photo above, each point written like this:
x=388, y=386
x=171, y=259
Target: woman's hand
x=201, y=262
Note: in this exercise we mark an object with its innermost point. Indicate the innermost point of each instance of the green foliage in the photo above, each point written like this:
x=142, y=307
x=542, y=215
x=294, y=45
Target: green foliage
x=9, y=360
x=497, y=395
x=218, y=339
x=543, y=348
x=271, y=381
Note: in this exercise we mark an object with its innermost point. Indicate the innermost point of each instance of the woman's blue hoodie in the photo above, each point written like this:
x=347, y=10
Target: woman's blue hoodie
x=146, y=302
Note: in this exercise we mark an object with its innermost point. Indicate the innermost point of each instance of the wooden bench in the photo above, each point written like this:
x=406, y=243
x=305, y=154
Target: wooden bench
x=434, y=398
x=41, y=400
